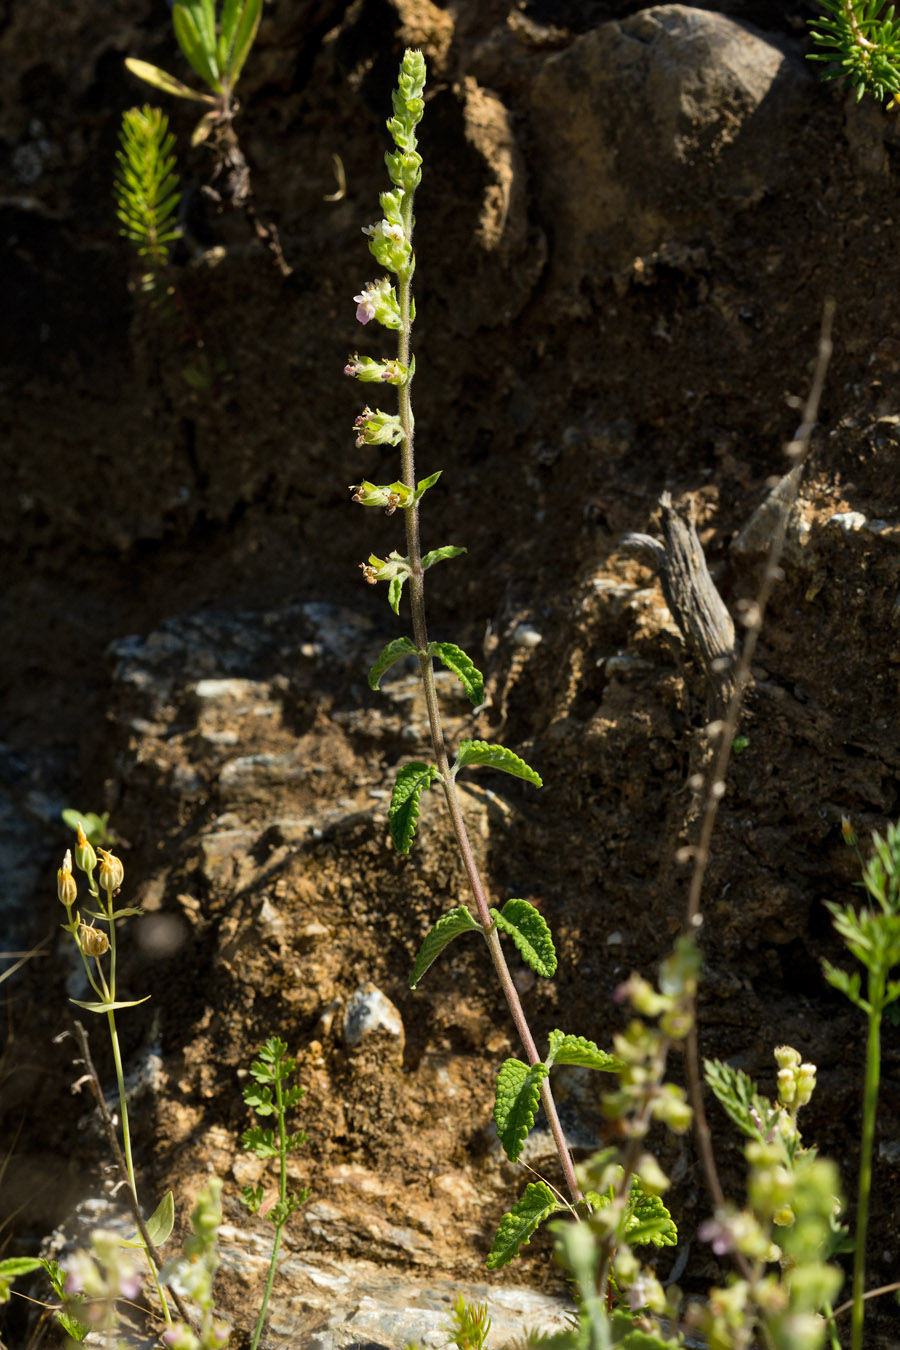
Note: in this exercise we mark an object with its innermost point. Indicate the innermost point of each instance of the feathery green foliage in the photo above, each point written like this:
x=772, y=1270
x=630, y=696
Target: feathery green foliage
x=861, y=43
x=146, y=188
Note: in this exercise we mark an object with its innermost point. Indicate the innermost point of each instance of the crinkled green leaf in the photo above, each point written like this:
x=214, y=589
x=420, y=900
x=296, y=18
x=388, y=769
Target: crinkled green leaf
x=161, y=79
x=495, y=757
x=448, y=927
x=516, y=1100
x=412, y=780
x=393, y=652
x=456, y=660
x=580, y=1051
x=647, y=1220
x=528, y=930
x=516, y=1227
x=395, y=590
x=439, y=554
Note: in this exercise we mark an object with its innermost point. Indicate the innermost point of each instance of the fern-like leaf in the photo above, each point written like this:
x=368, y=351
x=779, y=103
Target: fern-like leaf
x=411, y=781
x=146, y=188
x=456, y=660
x=516, y=1227
x=448, y=927
x=516, y=1099
x=580, y=1051
x=529, y=931
x=739, y=1099
x=495, y=757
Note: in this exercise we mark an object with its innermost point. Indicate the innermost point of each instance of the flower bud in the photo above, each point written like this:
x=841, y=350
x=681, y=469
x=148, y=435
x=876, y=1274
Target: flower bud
x=93, y=941
x=85, y=857
x=786, y=1057
x=112, y=873
x=806, y=1082
x=851, y=838
x=787, y=1086
x=66, y=887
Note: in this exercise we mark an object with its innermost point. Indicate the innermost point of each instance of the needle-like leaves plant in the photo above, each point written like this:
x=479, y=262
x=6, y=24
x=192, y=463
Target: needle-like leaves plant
x=146, y=189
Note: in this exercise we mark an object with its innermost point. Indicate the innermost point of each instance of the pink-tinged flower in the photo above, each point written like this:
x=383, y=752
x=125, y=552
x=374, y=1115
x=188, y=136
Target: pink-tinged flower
x=718, y=1234
x=365, y=306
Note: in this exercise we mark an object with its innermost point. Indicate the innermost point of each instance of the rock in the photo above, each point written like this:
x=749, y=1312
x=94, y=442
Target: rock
x=647, y=128
x=368, y=1012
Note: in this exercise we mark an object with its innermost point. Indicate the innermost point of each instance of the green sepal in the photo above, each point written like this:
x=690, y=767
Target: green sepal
x=455, y=660
x=192, y=32
x=108, y=1007
x=392, y=653
x=439, y=554
x=412, y=780
x=529, y=931
x=161, y=79
x=580, y=1051
x=159, y=1225
x=395, y=590
x=516, y=1227
x=448, y=927
x=516, y=1099
x=495, y=757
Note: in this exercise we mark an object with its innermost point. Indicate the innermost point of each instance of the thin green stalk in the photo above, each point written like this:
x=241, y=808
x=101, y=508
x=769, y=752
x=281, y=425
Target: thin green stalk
x=282, y=1197
x=870, y=1103
x=420, y=632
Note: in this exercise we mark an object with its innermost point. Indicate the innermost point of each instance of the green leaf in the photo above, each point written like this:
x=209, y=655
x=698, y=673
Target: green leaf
x=244, y=38
x=395, y=590
x=199, y=46
x=455, y=660
x=448, y=927
x=580, y=1051
x=516, y=1100
x=439, y=554
x=412, y=780
x=848, y=985
x=647, y=1220
x=425, y=483
x=108, y=1007
x=495, y=757
x=516, y=1227
x=160, y=79
x=528, y=930
x=14, y=1266
x=159, y=1225
x=393, y=652
x=737, y=1095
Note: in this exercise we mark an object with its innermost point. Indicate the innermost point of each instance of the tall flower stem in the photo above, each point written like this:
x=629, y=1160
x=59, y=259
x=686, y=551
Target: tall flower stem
x=870, y=1102
x=420, y=633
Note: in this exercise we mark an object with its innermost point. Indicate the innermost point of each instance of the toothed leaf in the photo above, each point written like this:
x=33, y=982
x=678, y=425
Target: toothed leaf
x=495, y=757
x=528, y=930
x=439, y=554
x=516, y=1227
x=580, y=1051
x=648, y=1220
x=392, y=653
x=448, y=927
x=455, y=660
x=412, y=780
x=516, y=1100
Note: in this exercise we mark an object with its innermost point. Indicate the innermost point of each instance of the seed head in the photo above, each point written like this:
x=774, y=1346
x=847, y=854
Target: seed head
x=94, y=941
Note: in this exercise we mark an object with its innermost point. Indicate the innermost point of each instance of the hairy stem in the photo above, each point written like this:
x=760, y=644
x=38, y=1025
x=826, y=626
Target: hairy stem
x=420, y=634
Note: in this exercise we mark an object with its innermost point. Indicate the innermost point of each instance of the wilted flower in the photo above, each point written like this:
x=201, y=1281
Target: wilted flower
x=93, y=941
x=112, y=873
